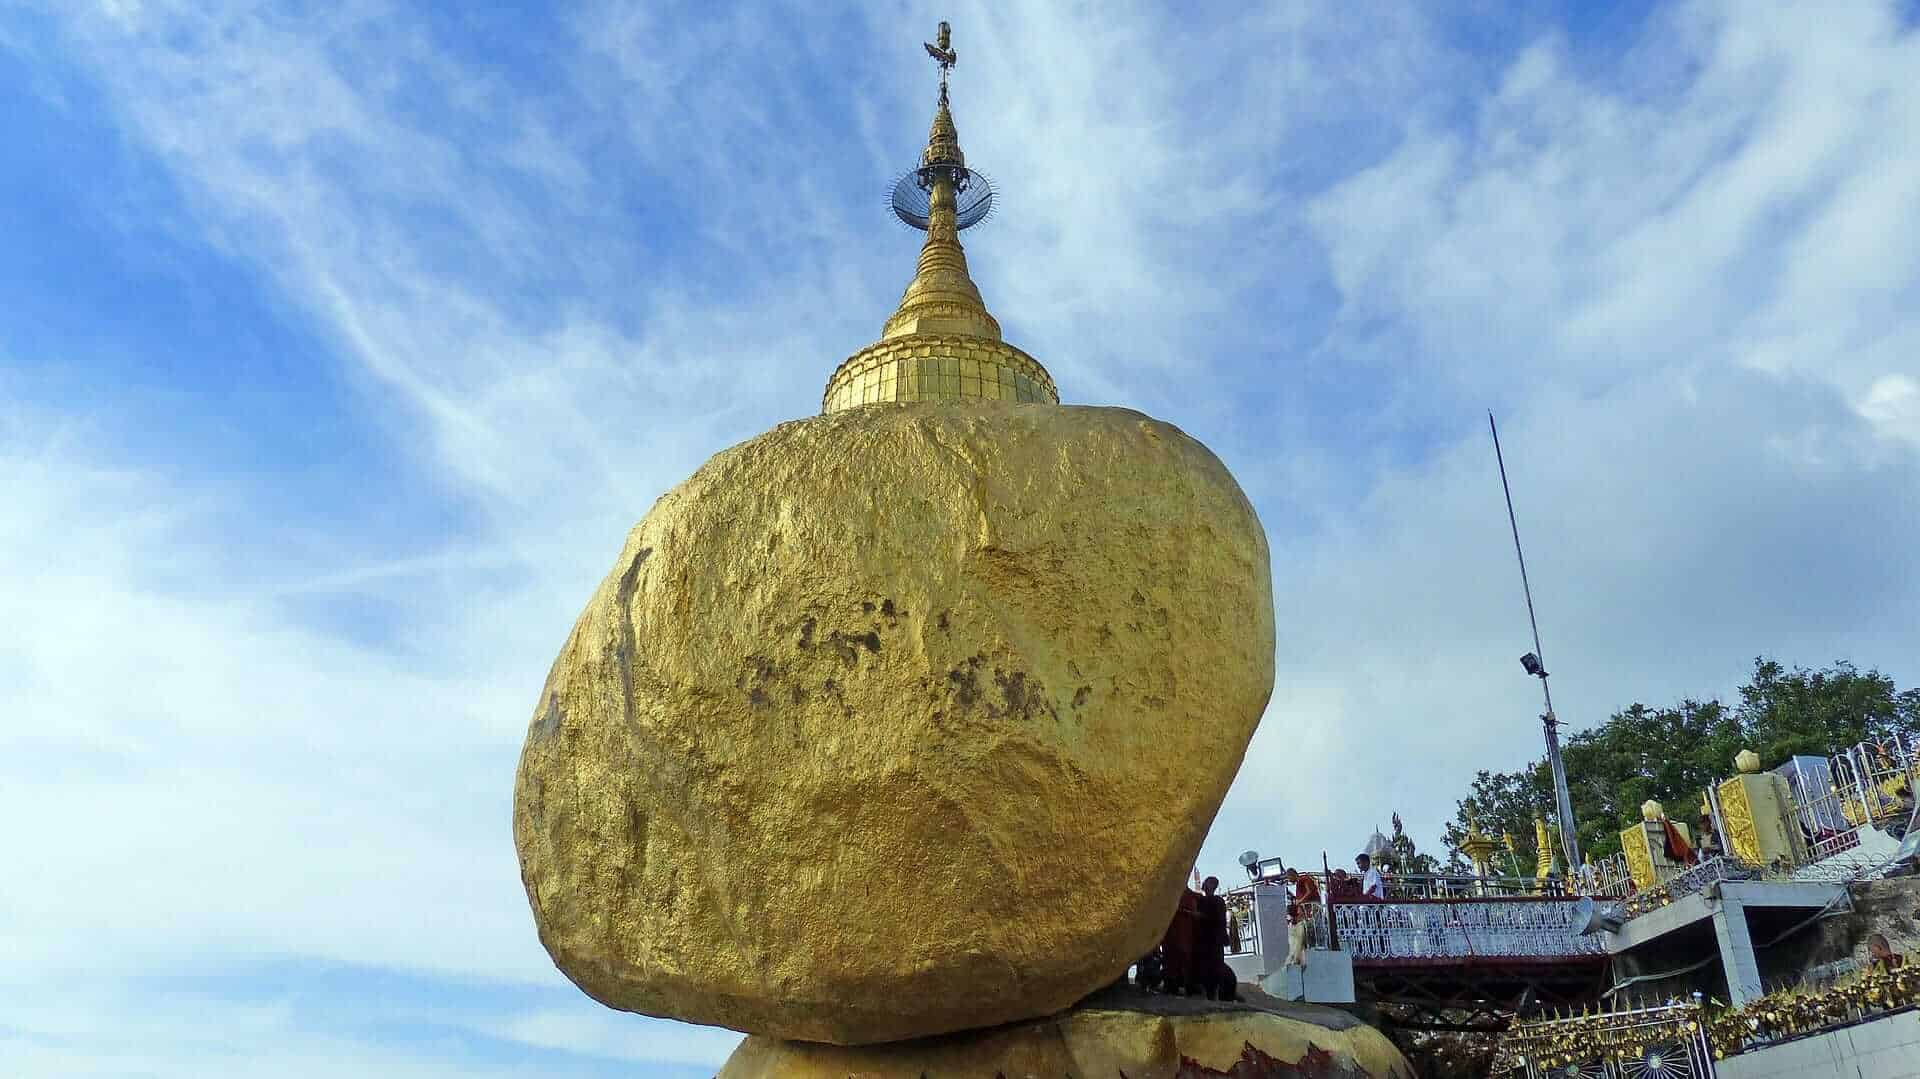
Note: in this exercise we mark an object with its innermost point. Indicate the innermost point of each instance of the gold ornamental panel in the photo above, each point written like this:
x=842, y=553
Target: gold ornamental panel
x=1736, y=811
x=1633, y=843
x=938, y=367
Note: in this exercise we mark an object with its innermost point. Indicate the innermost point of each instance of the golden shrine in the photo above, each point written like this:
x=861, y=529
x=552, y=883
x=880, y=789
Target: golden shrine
x=1645, y=847
x=1756, y=808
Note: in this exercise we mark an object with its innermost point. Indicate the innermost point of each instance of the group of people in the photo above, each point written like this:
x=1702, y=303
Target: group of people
x=1370, y=884
x=1192, y=957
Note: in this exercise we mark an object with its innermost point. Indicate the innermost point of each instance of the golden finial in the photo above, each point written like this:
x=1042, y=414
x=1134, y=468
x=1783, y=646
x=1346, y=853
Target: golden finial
x=940, y=343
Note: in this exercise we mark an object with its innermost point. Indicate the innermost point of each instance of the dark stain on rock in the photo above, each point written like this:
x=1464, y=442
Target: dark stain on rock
x=886, y=608
x=1023, y=698
x=866, y=606
x=1013, y=689
x=1138, y=599
x=642, y=555
x=806, y=633
x=754, y=680
x=1080, y=696
x=847, y=646
x=943, y=621
x=966, y=687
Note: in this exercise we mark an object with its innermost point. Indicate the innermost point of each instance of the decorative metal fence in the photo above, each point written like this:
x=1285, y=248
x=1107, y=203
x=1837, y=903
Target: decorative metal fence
x=1456, y=929
x=1666, y=1041
x=1468, y=886
x=1871, y=784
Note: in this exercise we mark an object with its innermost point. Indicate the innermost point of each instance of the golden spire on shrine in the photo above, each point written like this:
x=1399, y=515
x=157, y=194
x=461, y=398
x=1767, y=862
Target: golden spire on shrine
x=1477, y=846
x=940, y=343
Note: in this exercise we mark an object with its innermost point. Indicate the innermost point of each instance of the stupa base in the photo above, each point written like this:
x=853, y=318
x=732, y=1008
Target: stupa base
x=1116, y=1034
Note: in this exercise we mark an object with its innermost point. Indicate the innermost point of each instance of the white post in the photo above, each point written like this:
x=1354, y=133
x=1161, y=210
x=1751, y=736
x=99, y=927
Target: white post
x=1736, y=953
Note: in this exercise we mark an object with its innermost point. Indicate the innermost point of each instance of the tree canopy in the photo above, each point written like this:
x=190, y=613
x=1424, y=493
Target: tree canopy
x=1671, y=754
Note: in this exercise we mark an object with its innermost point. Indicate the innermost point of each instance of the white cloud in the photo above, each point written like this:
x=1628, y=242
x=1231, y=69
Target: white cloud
x=1680, y=276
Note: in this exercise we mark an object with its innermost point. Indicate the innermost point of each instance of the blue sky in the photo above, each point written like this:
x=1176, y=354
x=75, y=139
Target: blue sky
x=341, y=343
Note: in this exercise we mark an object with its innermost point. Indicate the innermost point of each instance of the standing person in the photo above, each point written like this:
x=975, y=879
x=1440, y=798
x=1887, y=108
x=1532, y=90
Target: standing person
x=1300, y=912
x=1176, y=948
x=1709, y=837
x=1215, y=978
x=1372, y=884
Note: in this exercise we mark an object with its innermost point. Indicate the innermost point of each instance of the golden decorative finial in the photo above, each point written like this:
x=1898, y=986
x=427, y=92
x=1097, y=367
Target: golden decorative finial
x=943, y=55
x=940, y=343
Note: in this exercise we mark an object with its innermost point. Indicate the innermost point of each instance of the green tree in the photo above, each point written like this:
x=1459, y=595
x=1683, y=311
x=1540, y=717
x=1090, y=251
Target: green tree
x=1672, y=754
x=1800, y=711
x=1503, y=803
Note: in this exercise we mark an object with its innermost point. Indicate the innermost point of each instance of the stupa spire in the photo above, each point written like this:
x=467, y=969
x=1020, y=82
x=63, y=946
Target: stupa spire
x=942, y=297
x=940, y=343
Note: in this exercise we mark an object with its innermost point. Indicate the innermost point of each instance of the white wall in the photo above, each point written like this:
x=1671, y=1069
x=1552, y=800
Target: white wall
x=1882, y=1049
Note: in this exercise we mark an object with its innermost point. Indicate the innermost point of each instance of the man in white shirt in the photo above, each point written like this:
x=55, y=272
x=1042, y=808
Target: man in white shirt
x=1371, y=882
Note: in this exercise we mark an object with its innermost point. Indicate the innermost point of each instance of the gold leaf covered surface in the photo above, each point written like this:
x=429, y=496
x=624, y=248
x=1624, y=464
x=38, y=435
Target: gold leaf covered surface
x=898, y=720
x=1096, y=1041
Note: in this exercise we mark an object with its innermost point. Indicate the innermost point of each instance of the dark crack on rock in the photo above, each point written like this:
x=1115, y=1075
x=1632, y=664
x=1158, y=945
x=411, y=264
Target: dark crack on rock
x=548, y=724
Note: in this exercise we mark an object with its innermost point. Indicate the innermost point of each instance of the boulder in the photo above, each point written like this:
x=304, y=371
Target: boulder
x=1112, y=1039
x=898, y=720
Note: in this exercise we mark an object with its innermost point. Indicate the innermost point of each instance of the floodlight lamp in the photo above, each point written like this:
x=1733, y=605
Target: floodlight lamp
x=1250, y=861
x=1532, y=664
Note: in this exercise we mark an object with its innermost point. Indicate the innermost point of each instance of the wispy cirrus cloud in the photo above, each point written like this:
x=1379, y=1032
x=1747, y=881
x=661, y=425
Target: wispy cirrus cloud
x=554, y=263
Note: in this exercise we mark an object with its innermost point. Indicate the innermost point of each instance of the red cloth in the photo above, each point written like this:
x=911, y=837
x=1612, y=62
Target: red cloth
x=1677, y=846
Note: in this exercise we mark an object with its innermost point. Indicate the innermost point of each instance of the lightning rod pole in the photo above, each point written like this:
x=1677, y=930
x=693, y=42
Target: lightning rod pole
x=1549, y=723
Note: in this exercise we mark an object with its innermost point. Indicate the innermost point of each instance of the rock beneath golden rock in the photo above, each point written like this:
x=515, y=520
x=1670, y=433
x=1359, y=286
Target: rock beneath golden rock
x=1107, y=1039
x=898, y=720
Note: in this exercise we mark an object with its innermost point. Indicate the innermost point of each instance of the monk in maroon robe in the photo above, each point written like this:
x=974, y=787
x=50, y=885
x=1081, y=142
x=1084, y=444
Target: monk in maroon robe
x=1176, y=948
x=1210, y=970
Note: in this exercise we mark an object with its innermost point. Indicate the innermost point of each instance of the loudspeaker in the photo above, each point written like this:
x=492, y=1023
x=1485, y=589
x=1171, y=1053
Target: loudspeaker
x=1590, y=918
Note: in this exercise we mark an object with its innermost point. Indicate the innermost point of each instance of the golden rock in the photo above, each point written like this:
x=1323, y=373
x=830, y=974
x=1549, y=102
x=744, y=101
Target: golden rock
x=1101, y=1041
x=898, y=720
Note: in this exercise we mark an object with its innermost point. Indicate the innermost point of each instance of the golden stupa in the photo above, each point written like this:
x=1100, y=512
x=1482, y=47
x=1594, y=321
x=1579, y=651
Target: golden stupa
x=908, y=717
x=940, y=344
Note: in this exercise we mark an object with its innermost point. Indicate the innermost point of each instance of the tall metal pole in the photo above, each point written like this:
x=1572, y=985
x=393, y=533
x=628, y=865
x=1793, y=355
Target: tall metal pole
x=1549, y=723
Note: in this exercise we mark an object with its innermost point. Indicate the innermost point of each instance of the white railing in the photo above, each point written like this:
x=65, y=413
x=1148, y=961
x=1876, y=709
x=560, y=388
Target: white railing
x=1512, y=927
x=1712, y=871
x=1468, y=886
